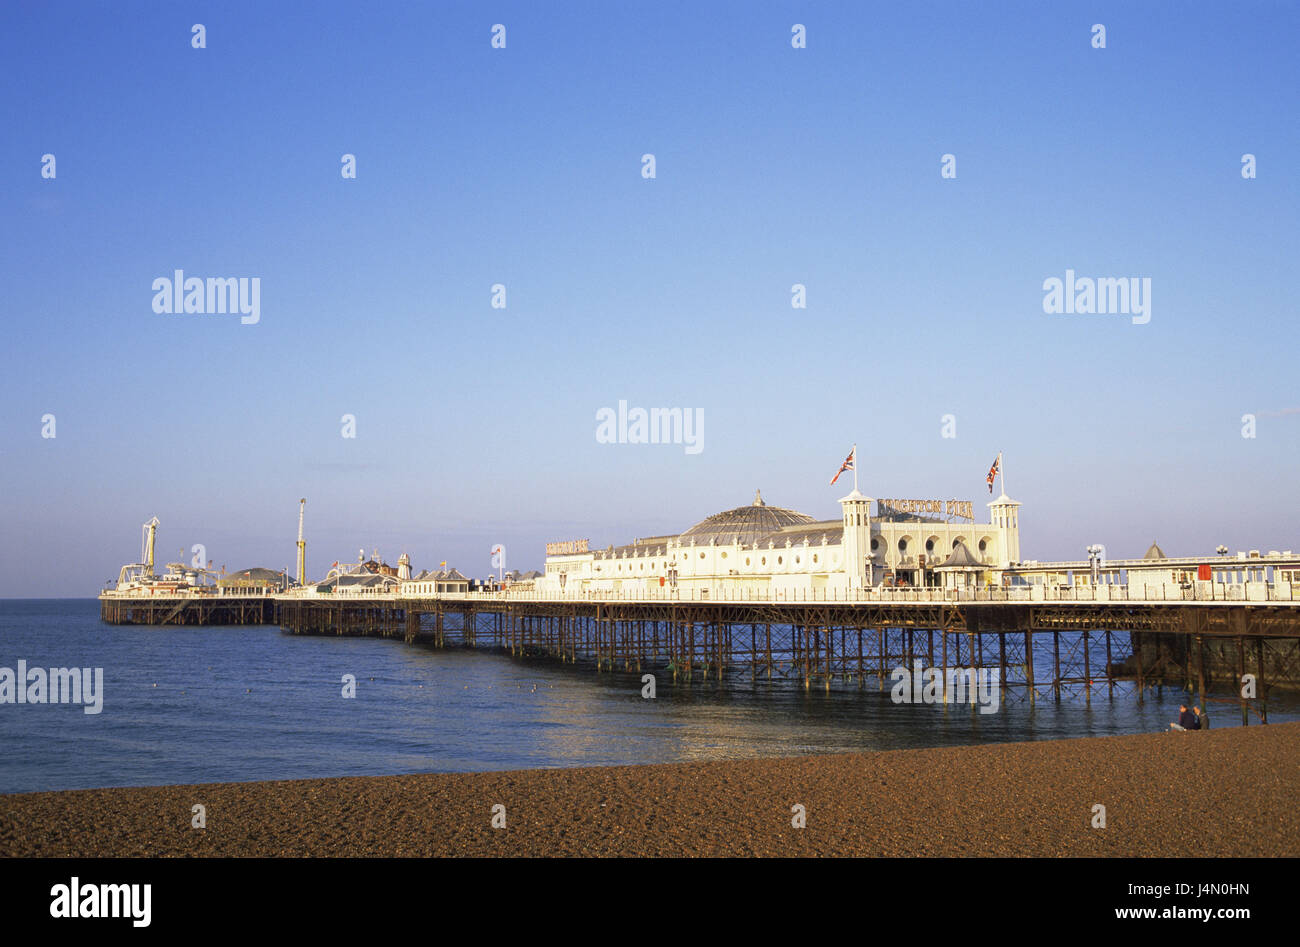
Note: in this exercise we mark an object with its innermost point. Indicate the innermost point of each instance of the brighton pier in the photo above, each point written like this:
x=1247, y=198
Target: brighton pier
x=774, y=595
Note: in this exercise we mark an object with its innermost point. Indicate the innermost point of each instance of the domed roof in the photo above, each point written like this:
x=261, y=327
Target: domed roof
x=1155, y=552
x=744, y=524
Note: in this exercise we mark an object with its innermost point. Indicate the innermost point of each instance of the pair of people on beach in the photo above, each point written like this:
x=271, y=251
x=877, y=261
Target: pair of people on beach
x=1187, y=719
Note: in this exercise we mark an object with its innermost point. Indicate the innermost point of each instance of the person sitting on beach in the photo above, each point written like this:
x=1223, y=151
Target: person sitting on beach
x=1186, y=719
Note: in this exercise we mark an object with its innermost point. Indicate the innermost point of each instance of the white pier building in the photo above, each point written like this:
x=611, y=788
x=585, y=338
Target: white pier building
x=760, y=549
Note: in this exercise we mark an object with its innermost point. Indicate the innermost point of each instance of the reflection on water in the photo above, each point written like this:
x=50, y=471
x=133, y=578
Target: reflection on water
x=218, y=704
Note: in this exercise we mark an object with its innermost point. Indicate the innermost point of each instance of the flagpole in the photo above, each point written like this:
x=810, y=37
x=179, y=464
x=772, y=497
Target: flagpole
x=1002, y=472
x=855, y=468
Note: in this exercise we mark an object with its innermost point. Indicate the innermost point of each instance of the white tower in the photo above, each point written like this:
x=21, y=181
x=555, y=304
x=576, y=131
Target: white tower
x=1004, y=515
x=857, y=539
x=302, y=546
x=403, y=567
x=146, y=544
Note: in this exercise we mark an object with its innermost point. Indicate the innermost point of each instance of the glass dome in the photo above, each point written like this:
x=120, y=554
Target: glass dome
x=744, y=524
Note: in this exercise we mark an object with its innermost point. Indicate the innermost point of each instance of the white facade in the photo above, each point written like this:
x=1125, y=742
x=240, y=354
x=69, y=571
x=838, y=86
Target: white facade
x=763, y=549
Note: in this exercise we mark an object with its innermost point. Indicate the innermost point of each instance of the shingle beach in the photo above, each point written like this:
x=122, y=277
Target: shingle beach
x=1225, y=792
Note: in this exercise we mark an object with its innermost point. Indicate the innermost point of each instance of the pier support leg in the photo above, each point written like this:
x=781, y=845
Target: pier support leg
x=1029, y=665
x=1136, y=642
x=880, y=657
x=1241, y=672
x=1056, y=663
x=1200, y=677
x=768, y=633
x=1259, y=680
x=1110, y=675
x=1087, y=669
x=1002, y=657
x=943, y=641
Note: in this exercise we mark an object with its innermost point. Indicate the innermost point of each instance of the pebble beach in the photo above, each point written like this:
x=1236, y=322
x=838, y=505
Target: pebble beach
x=1224, y=792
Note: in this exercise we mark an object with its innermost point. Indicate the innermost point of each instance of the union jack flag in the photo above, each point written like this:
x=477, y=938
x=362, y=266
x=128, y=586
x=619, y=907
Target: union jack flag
x=993, y=471
x=847, y=465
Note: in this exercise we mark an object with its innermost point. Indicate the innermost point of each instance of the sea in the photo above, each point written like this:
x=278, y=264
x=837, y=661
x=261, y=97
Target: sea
x=223, y=704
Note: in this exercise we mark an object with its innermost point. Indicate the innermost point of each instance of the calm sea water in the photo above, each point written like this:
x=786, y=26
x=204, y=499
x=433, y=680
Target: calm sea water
x=184, y=705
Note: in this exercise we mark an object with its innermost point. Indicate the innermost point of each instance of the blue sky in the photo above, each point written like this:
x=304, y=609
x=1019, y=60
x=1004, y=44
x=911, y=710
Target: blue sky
x=522, y=166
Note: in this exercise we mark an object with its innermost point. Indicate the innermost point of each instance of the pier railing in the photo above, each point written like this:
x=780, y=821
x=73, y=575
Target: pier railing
x=1207, y=592
x=202, y=592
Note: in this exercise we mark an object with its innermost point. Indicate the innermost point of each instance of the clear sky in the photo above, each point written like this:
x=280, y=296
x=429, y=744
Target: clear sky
x=523, y=166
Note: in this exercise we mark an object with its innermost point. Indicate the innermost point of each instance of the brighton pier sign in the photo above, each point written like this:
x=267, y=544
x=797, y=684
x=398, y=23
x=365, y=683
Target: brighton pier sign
x=965, y=509
x=569, y=547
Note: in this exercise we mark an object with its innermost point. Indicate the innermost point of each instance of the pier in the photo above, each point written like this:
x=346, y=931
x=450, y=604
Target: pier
x=188, y=609
x=1082, y=646
x=774, y=595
